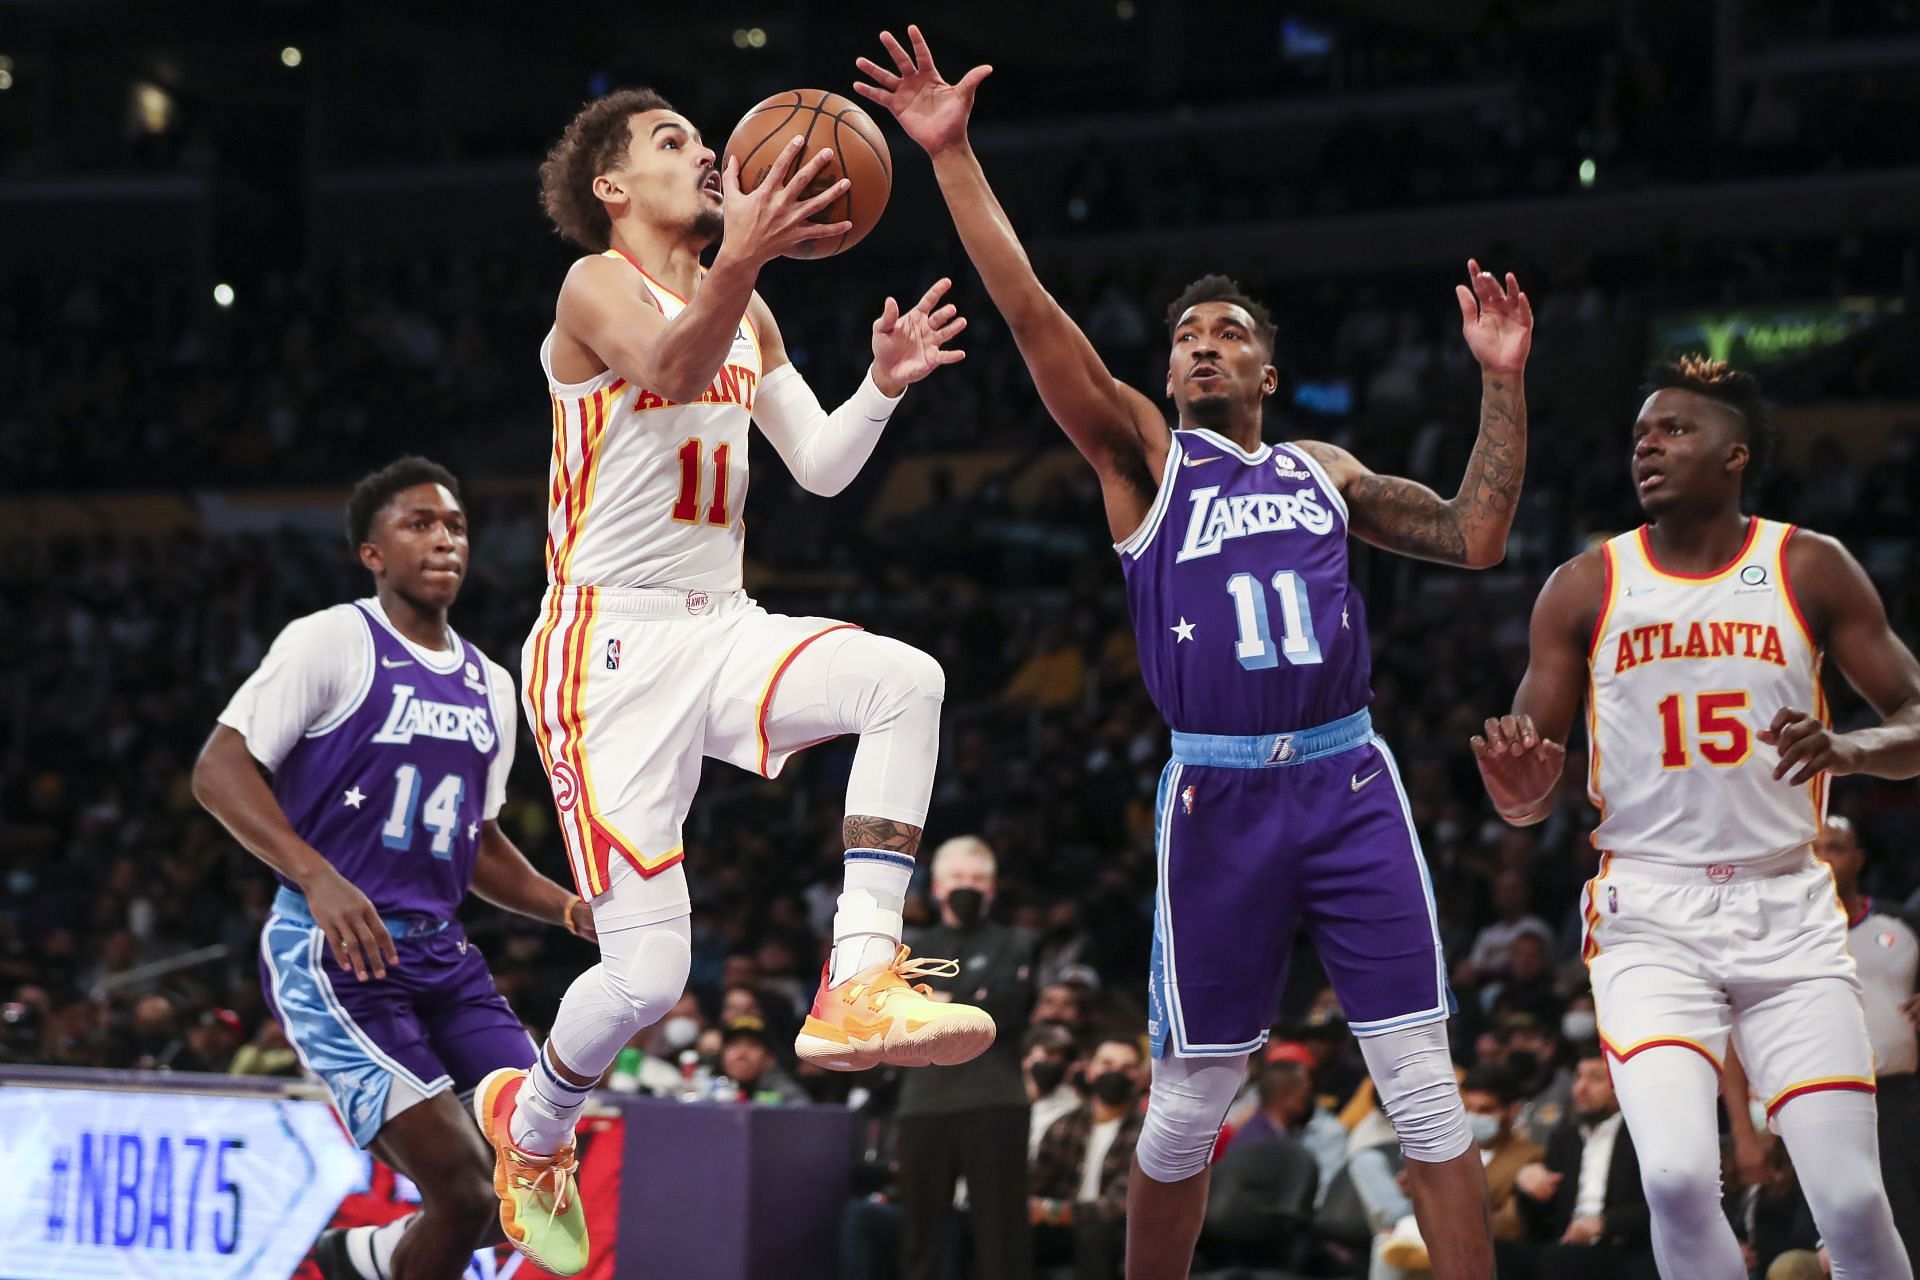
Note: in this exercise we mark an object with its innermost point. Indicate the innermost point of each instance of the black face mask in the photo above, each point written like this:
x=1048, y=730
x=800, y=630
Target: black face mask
x=1115, y=1088
x=967, y=905
x=1047, y=1074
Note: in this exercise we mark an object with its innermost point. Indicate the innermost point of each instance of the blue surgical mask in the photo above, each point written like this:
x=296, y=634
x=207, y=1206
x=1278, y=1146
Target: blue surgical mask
x=1485, y=1128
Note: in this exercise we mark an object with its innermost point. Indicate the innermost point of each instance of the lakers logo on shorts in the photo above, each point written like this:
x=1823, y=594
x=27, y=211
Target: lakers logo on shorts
x=566, y=786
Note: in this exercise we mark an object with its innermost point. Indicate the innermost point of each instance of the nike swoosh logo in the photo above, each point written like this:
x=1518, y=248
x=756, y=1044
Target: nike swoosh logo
x=390, y=664
x=1198, y=462
x=1359, y=782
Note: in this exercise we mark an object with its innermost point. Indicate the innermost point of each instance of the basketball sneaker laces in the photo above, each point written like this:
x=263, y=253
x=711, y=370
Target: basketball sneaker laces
x=901, y=971
x=550, y=1176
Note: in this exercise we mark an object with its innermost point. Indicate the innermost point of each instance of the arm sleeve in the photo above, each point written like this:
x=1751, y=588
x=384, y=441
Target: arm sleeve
x=823, y=451
x=507, y=720
x=314, y=675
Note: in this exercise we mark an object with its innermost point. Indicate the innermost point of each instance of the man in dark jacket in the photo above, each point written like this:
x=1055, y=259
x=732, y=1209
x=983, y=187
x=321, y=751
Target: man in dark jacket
x=970, y=1121
x=1583, y=1208
x=1079, y=1176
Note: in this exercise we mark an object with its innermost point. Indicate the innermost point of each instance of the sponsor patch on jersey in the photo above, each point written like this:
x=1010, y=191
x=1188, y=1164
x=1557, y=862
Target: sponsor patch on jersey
x=1284, y=467
x=1754, y=575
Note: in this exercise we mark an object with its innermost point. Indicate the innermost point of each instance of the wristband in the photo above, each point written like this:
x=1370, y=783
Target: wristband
x=566, y=913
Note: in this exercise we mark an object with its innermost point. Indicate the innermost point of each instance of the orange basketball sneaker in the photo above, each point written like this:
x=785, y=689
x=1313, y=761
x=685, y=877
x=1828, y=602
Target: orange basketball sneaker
x=879, y=1018
x=539, y=1205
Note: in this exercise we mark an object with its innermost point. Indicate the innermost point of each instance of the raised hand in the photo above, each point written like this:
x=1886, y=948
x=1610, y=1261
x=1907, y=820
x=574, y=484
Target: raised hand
x=1496, y=320
x=777, y=216
x=931, y=112
x=907, y=347
x=1520, y=766
x=1805, y=741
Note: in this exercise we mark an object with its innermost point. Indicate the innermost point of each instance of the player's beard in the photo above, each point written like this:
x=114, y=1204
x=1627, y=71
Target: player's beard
x=1214, y=409
x=709, y=223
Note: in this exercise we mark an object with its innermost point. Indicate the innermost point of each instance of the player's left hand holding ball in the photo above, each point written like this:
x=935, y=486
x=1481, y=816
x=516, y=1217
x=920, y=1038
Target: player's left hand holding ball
x=909, y=346
x=1802, y=740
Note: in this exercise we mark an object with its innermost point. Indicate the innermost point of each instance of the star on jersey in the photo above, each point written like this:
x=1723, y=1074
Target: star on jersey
x=473, y=829
x=355, y=797
x=1184, y=631
x=1344, y=624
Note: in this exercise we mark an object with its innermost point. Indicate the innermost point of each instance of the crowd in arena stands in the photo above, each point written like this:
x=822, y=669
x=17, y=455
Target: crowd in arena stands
x=128, y=919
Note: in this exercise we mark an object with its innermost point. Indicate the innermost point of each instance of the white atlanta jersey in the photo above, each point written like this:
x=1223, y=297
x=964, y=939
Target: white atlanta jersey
x=1686, y=669
x=643, y=492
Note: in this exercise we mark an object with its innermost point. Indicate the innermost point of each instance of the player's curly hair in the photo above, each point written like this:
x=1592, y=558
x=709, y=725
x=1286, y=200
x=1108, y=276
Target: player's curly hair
x=595, y=141
x=1219, y=288
x=375, y=491
x=1739, y=391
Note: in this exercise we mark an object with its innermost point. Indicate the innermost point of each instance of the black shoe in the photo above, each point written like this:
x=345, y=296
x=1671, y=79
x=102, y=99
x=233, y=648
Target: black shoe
x=330, y=1255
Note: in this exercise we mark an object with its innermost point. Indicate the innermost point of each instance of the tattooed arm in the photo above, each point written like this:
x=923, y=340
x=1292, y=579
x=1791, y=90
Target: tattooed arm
x=1469, y=529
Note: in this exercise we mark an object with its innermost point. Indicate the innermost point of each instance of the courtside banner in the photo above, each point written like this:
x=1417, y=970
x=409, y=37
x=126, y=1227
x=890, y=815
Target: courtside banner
x=136, y=1185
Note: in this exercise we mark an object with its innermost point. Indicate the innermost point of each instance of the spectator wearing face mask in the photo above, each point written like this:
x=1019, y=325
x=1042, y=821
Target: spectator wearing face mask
x=1079, y=1177
x=970, y=1121
x=1048, y=1058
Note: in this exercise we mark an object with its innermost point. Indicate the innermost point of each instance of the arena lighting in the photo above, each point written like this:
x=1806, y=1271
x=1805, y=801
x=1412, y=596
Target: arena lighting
x=223, y=295
x=1587, y=172
x=6, y=79
x=757, y=37
x=739, y=37
x=152, y=107
x=1124, y=10
x=290, y=56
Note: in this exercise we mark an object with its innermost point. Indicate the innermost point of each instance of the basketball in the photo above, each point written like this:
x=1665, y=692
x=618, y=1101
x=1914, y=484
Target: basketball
x=826, y=120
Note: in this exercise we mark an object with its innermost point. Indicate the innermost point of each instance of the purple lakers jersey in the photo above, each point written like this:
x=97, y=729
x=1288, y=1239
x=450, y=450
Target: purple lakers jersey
x=1245, y=615
x=392, y=793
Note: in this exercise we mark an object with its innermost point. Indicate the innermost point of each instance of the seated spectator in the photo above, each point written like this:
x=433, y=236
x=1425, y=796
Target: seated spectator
x=1047, y=1062
x=1776, y=1226
x=1584, y=1213
x=1078, y=1179
x=746, y=1059
x=1527, y=985
x=1287, y=1111
x=1514, y=918
x=209, y=1044
x=1060, y=1004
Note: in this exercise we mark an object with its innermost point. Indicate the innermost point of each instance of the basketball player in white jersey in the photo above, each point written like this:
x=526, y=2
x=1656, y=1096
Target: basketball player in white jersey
x=1698, y=639
x=648, y=656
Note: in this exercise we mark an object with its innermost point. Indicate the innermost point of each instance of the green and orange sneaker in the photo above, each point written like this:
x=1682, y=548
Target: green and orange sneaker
x=879, y=1017
x=540, y=1206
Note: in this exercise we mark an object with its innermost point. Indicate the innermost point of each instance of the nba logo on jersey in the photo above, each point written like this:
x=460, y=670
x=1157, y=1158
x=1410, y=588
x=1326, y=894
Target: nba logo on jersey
x=613, y=654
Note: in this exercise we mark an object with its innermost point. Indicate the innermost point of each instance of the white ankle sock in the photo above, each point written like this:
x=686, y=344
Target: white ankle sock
x=370, y=1249
x=866, y=925
x=548, y=1105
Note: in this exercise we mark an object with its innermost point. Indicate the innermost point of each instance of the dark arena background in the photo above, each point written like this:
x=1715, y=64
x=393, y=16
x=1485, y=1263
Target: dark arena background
x=251, y=251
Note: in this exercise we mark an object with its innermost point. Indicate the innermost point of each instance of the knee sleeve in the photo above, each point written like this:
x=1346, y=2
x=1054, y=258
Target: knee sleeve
x=902, y=676
x=649, y=973
x=1412, y=1072
x=1185, y=1110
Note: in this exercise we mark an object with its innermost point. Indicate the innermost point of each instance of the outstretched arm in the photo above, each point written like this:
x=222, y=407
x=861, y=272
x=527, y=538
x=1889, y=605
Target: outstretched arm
x=1116, y=428
x=1846, y=613
x=1523, y=754
x=1469, y=529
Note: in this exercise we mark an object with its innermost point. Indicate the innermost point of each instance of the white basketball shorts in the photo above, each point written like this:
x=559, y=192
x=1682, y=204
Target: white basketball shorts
x=1688, y=956
x=626, y=691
